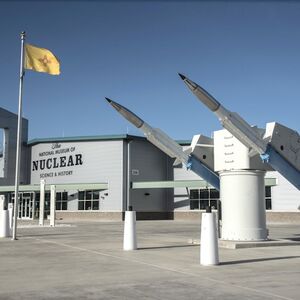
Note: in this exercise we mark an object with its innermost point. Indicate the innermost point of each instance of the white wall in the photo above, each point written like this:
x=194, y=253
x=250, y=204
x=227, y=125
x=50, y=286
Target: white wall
x=102, y=162
x=285, y=196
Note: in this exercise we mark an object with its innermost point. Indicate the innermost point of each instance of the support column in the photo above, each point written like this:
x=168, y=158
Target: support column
x=52, y=205
x=243, y=205
x=42, y=202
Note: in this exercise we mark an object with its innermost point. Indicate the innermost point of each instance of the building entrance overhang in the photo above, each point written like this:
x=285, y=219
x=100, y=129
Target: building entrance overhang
x=184, y=184
x=59, y=187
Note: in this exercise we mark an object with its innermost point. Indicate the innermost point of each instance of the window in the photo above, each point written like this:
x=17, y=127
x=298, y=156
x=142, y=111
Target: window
x=88, y=200
x=37, y=205
x=2, y=152
x=200, y=199
x=194, y=199
x=62, y=201
x=46, y=205
x=268, y=198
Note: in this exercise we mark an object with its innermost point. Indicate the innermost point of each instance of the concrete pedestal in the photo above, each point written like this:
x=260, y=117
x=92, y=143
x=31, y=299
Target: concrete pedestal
x=242, y=194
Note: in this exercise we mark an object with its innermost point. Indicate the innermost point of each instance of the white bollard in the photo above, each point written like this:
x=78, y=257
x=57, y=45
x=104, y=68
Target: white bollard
x=4, y=224
x=10, y=216
x=42, y=202
x=209, y=251
x=4, y=220
x=129, y=241
x=52, y=205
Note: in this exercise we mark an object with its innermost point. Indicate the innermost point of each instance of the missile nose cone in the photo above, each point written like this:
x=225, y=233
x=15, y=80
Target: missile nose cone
x=204, y=96
x=114, y=104
x=182, y=76
x=126, y=113
x=192, y=85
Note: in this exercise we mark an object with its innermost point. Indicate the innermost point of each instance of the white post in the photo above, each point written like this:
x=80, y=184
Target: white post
x=52, y=205
x=42, y=202
x=209, y=251
x=10, y=216
x=4, y=220
x=129, y=239
x=19, y=139
x=128, y=176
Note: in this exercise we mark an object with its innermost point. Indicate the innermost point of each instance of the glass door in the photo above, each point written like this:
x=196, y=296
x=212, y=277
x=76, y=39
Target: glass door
x=26, y=206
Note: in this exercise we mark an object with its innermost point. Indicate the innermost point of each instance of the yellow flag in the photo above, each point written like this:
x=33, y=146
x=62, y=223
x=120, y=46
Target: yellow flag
x=41, y=60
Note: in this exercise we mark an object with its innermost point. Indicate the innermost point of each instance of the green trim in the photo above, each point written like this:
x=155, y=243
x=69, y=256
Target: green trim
x=22, y=188
x=59, y=187
x=184, y=142
x=82, y=186
x=135, y=185
x=84, y=138
x=184, y=184
x=170, y=184
x=271, y=181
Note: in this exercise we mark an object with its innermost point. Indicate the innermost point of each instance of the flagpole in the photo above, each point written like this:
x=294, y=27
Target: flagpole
x=19, y=139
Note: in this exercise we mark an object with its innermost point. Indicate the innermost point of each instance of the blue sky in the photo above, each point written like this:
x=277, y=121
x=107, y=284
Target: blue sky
x=245, y=54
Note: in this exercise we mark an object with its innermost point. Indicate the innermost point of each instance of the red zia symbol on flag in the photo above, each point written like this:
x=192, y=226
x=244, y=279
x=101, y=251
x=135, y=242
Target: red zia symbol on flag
x=45, y=61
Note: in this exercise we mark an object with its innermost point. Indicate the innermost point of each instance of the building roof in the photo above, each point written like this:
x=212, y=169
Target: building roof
x=4, y=113
x=84, y=138
x=93, y=138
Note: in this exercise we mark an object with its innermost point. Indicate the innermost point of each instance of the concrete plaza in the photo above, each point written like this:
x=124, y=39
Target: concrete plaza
x=86, y=261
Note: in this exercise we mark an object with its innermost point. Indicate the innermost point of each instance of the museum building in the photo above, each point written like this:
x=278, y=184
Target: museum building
x=99, y=177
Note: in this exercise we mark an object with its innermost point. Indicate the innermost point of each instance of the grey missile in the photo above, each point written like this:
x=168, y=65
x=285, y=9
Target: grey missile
x=231, y=121
x=126, y=113
x=154, y=135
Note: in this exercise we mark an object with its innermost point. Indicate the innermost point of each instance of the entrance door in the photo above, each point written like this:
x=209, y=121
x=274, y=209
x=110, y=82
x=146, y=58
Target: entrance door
x=25, y=206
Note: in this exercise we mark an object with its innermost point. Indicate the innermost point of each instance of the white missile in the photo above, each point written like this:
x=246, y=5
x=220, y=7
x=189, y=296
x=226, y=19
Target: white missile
x=231, y=121
x=154, y=135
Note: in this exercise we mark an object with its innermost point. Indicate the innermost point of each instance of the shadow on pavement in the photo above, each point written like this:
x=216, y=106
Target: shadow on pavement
x=45, y=235
x=295, y=239
x=246, y=261
x=167, y=247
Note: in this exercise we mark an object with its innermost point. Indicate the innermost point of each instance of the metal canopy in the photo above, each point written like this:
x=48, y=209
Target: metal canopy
x=135, y=185
x=59, y=187
x=184, y=184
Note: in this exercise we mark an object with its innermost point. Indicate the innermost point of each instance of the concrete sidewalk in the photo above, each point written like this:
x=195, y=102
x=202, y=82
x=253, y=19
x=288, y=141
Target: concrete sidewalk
x=86, y=261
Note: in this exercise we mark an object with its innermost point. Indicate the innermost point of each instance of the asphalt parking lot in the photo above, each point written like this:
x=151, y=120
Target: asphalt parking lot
x=86, y=261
